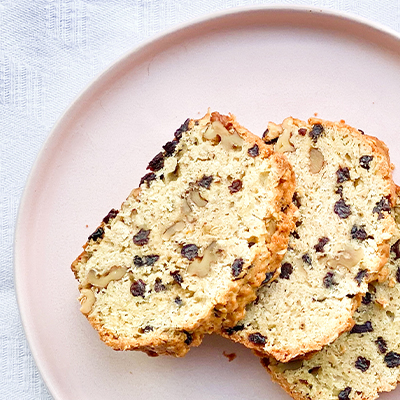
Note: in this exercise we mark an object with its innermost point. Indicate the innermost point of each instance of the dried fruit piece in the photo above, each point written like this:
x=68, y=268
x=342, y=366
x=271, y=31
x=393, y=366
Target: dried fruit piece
x=257, y=338
x=111, y=215
x=362, y=328
x=395, y=248
x=329, y=280
x=362, y=364
x=295, y=235
x=254, y=151
x=138, y=288
x=151, y=176
x=382, y=345
x=206, y=181
x=177, y=277
x=268, y=277
x=316, y=131
x=343, y=175
x=367, y=299
x=190, y=251
x=170, y=147
x=178, y=301
x=189, y=338
x=360, y=276
x=392, y=359
x=302, y=131
x=339, y=190
x=142, y=237
x=237, y=267
x=345, y=393
x=286, y=271
x=319, y=247
x=97, y=234
x=147, y=329
x=183, y=128
x=158, y=285
x=235, y=186
x=296, y=200
x=231, y=331
x=150, y=260
x=358, y=233
x=156, y=163
x=365, y=161
x=138, y=261
x=382, y=205
x=342, y=209
x=307, y=259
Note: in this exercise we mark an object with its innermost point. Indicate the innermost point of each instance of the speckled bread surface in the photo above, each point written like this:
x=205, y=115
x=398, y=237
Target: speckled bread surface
x=187, y=250
x=361, y=363
x=341, y=243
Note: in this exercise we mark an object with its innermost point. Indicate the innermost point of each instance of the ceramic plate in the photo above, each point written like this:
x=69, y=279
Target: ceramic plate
x=260, y=64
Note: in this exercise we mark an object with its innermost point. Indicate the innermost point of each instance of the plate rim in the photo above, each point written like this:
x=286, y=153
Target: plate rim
x=93, y=83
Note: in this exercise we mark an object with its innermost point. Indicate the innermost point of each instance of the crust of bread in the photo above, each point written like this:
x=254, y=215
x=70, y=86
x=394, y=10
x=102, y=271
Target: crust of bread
x=230, y=306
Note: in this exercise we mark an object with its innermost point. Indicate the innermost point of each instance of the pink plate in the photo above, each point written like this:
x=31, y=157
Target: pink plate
x=260, y=64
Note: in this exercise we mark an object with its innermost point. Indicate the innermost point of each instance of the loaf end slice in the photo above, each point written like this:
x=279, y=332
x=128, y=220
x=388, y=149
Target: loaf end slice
x=187, y=250
x=344, y=193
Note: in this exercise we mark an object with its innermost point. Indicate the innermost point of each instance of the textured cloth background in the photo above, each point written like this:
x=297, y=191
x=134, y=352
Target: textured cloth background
x=49, y=51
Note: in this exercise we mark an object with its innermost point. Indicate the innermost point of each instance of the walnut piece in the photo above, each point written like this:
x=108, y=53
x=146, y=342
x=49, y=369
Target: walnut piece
x=283, y=144
x=87, y=300
x=349, y=257
x=176, y=227
x=316, y=161
x=271, y=226
x=102, y=281
x=197, y=199
x=201, y=268
x=274, y=130
x=227, y=139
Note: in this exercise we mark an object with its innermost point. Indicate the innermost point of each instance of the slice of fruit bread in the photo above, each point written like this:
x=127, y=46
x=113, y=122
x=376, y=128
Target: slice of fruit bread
x=188, y=249
x=361, y=363
x=344, y=194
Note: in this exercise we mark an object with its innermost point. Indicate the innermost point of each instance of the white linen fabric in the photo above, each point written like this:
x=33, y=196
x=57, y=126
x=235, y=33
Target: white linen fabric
x=49, y=51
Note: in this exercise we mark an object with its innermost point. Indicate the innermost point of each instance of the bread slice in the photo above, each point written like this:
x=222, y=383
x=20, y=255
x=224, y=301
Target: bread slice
x=187, y=249
x=344, y=194
x=361, y=363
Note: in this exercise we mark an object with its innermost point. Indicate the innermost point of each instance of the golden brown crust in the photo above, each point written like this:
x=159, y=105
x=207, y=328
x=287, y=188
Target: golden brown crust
x=229, y=307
